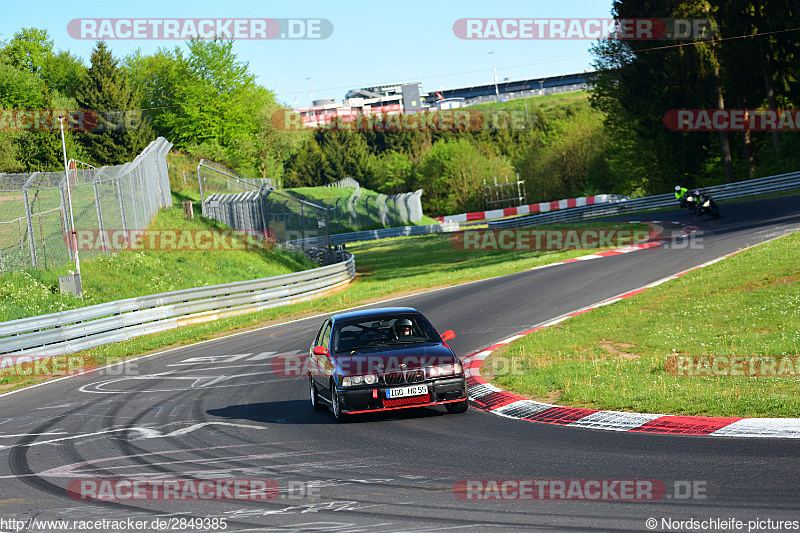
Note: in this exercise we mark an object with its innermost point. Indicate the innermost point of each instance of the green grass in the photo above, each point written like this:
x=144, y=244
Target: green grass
x=385, y=268
x=130, y=273
x=614, y=357
x=549, y=101
x=431, y=260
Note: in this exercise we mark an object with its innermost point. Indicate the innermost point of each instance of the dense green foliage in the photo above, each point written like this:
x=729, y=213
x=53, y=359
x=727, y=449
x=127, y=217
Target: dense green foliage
x=752, y=64
x=119, y=133
x=206, y=101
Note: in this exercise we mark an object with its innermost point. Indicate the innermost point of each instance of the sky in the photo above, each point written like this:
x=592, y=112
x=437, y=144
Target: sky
x=372, y=43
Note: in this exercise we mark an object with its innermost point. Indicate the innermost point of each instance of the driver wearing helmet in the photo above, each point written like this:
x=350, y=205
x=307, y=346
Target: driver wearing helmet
x=402, y=328
x=681, y=194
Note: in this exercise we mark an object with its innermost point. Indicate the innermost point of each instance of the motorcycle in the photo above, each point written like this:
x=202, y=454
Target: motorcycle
x=702, y=204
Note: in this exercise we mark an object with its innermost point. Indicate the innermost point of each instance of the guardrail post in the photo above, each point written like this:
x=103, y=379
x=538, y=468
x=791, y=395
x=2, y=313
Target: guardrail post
x=200, y=184
x=264, y=212
x=133, y=197
x=29, y=222
x=65, y=224
x=121, y=207
x=302, y=222
x=99, y=216
x=328, y=235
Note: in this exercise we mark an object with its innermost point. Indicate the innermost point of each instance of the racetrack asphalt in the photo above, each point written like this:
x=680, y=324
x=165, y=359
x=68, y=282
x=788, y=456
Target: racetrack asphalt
x=218, y=410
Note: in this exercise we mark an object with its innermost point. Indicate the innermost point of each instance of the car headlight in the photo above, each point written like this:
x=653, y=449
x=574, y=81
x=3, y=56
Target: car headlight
x=444, y=370
x=352, y=381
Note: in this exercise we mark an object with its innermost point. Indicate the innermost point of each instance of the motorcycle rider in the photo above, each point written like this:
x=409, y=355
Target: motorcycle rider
x=681, y=194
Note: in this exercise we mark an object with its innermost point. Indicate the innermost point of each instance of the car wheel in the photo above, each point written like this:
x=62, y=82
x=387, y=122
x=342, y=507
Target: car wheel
x=337, y=409
x=314, y=397
x=458, y=407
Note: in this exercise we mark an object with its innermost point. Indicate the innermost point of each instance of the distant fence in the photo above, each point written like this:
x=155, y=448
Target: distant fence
x=362, y=210
x=34, y=208
x=289, y=218
x=730, y=191
x=386, y=233
x=263, y=210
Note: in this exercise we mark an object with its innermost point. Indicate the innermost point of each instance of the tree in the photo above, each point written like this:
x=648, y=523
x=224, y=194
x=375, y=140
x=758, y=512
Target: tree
x=273, y=145
x=63, y=72
x=120, y=134
x=305, y=168
x=23, y=148
x=218, y=96
x=28, y=50
x=452, y=174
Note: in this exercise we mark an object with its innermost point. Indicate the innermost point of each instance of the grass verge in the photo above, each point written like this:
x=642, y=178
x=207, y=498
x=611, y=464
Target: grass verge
x=386, y=268
x=614, y=357
x=130, y=273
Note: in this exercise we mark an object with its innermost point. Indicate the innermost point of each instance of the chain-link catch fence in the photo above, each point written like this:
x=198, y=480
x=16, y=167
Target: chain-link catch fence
x=35, y=221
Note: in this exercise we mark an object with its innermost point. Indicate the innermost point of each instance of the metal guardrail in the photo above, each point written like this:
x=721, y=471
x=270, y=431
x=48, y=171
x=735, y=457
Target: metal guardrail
x=730, y=191
x=72, y=331
x=375, y=234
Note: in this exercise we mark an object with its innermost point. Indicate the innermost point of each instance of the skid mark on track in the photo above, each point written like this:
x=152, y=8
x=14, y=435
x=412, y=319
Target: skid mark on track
x=144, y=433
x=196, y=382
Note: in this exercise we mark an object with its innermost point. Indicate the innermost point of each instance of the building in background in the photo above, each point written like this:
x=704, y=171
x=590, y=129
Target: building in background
x=510, y=89
x=399, y=98
x=392, y=99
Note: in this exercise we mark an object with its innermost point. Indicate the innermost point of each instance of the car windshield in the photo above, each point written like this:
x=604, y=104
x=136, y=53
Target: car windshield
x=366, y=334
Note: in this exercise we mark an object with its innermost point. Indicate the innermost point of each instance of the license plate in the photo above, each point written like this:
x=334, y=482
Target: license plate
x=401, y=392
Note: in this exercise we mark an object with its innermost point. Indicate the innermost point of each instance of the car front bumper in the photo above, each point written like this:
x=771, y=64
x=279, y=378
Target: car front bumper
x=369, y=399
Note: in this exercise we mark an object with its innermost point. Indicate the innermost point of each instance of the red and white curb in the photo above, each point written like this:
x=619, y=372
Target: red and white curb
x=543, y=207
x=485, y=396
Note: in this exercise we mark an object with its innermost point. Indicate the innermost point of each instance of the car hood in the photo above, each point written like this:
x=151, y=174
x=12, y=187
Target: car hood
x=395, y=359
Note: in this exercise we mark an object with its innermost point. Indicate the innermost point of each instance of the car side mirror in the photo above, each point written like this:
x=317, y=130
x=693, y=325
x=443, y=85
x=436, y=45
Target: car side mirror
x=448, y=335
x=320, y=350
